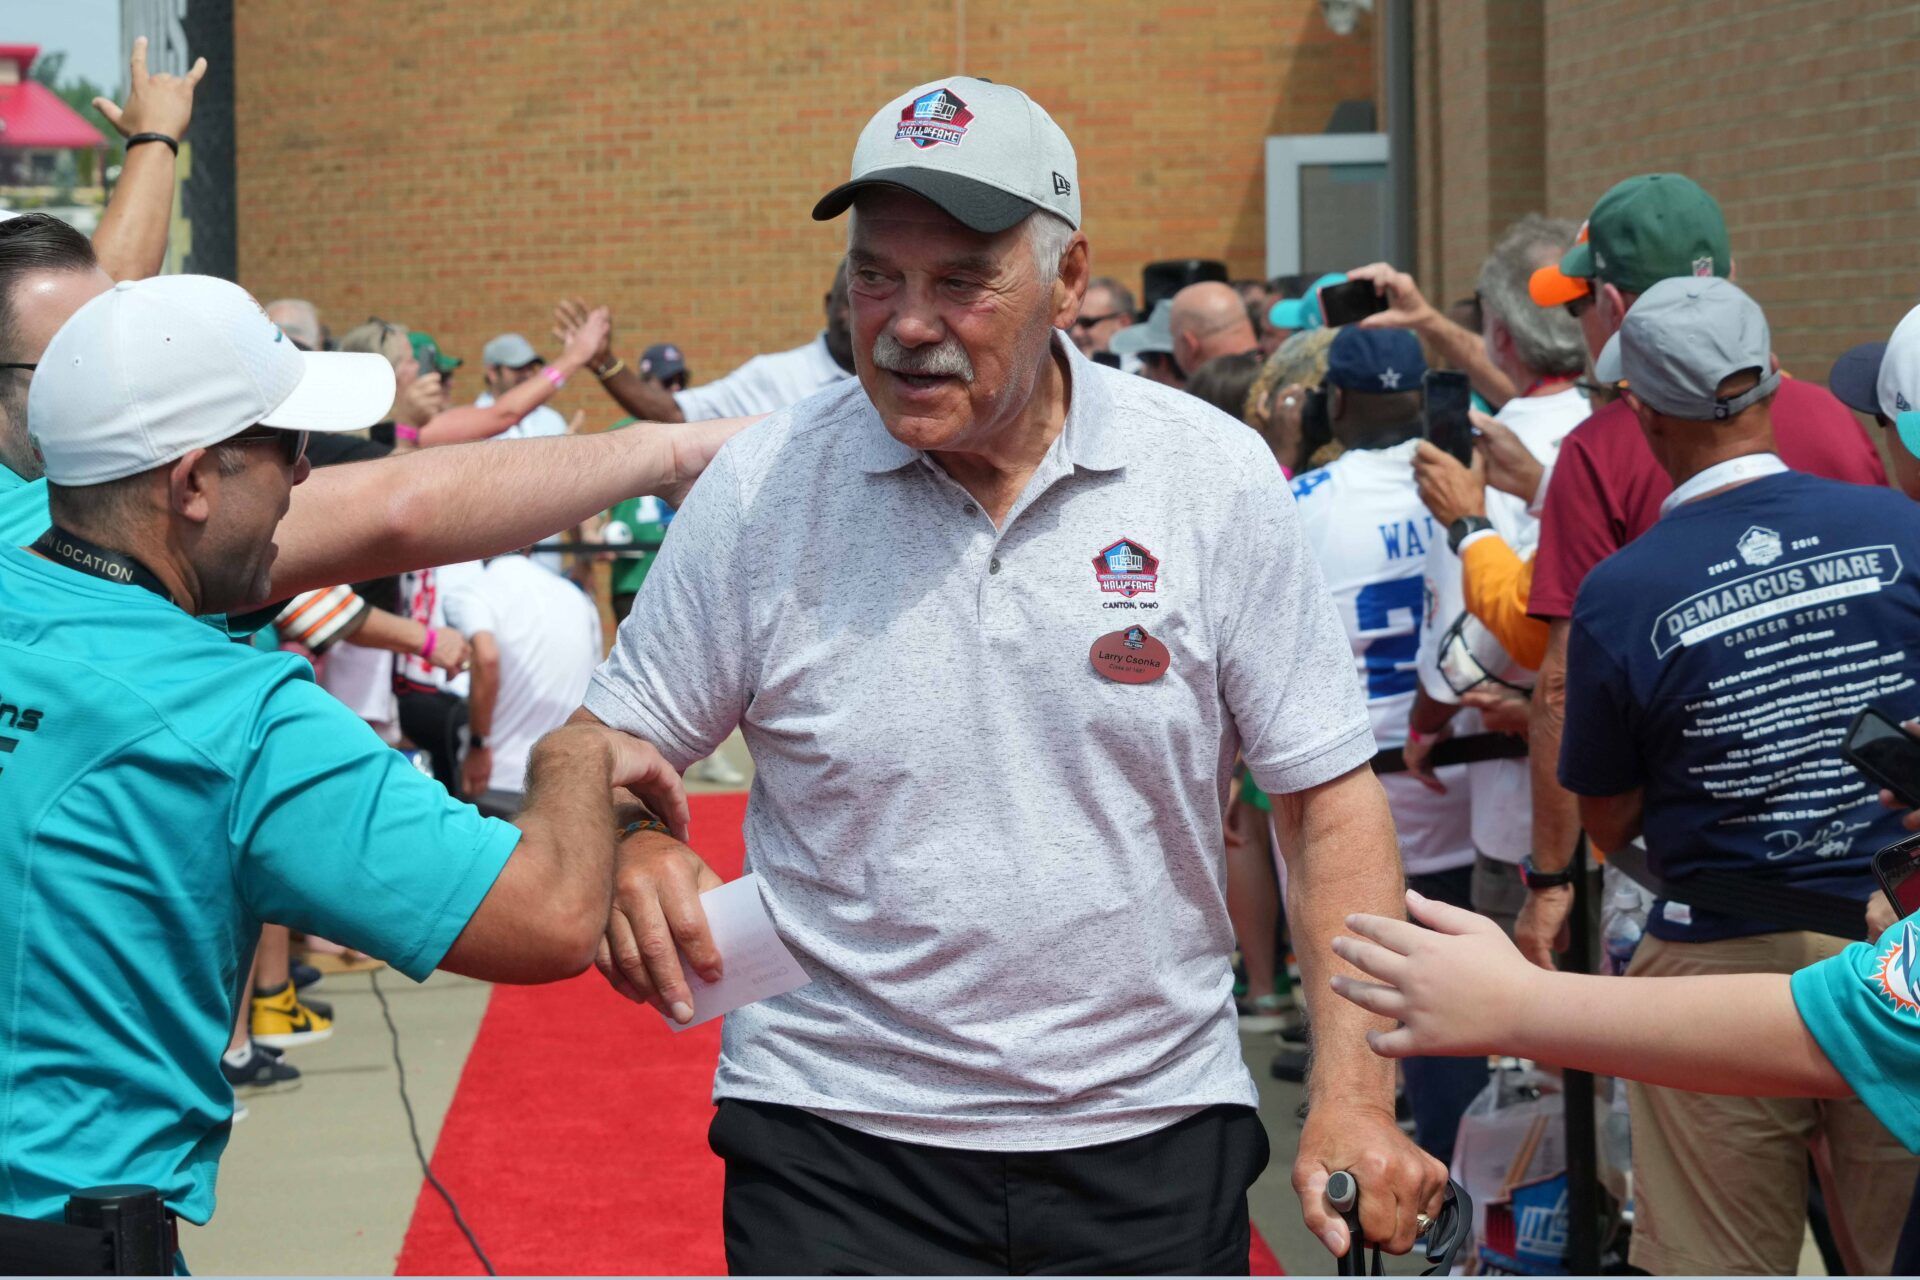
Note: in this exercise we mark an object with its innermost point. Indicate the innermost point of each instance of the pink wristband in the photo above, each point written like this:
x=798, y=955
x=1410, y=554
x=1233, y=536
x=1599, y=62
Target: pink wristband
x=433, y=638
x=406, y=431
x=554, y=376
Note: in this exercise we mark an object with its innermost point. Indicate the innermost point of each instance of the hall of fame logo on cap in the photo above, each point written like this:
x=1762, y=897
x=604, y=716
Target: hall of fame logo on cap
x=1897, y=966
x=933, y=118
x=1127, y=568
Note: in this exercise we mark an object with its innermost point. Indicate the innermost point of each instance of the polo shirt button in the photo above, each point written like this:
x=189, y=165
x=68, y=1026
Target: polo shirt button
x=969, y=510
x=993, y=565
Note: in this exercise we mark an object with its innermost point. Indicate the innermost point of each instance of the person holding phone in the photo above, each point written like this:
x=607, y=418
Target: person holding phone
x=1463, y=659
x=1713, y=667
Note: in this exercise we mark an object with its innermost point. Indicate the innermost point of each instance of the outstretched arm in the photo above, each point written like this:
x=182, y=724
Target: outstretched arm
x=131, y=240
x=465, y=502
x=1459, y=988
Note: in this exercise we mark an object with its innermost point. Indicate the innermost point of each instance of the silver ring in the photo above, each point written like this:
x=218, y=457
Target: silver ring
x=1422, y=1221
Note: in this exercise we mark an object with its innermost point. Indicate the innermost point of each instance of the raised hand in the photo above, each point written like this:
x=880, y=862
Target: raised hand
x=155, y=103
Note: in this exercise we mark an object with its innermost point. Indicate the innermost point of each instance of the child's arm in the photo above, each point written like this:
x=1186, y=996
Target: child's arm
x=1461, y=988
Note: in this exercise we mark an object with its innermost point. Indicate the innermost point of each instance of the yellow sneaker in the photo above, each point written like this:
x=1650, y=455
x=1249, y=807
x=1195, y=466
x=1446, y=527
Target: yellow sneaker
x=280, y=1020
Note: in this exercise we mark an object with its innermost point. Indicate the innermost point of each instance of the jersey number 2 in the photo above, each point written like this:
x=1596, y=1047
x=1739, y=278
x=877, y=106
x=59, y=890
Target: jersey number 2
x=1391, y=658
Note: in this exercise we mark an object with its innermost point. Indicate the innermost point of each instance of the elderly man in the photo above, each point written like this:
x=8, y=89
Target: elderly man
x=165, y=791
x=1028, y=613
x=1209, y=319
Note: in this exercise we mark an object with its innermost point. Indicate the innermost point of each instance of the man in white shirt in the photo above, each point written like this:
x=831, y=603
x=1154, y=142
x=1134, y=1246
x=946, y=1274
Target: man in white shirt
x=1363, y=518
x=535, y=639
x=768, y=382
x=996, y=622
x=1541, y=352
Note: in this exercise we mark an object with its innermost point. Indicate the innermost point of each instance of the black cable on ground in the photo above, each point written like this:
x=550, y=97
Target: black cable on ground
x=413, y=1127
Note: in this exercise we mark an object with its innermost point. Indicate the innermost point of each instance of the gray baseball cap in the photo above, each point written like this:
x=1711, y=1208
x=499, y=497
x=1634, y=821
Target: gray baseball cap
x=985, y=153
x=1156, y=334
x=1682, y=339
x=510, y=350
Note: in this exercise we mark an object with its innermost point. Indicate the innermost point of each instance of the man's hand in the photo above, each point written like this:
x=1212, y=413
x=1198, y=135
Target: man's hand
x=1397, y=1179
x=1541, y=929
x=449, y=650
x=1449, y=489
x=1407, y=307
x=423, y=396
x=1457, y=987
x=476, y=771
x=1418, y=757
x=587, y=343
x=693, y=445
x=155, y=104
x=1502, y=710
x=1509, y=465
x=570, y=315
x=657, y=883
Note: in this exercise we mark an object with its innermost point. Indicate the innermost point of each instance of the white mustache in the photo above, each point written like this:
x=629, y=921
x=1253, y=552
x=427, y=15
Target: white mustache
x=948, y=359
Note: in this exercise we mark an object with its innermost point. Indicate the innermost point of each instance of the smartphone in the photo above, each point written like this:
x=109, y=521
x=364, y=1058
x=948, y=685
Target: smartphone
x=1897, y=868
x=1448, y=398
x=1888, y=755
x=1345, y=303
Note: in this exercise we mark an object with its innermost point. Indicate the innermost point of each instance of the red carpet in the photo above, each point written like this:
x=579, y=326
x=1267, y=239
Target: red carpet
x=577, y=1139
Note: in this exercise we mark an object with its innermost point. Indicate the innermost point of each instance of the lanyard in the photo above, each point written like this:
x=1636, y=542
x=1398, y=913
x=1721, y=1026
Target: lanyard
x=76, y=553
x=1751, y=466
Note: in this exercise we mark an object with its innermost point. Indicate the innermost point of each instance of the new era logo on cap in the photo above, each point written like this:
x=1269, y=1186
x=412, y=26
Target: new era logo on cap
x=985, y=153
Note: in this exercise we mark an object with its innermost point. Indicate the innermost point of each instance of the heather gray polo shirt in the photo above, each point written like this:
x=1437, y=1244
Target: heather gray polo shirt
x=1003, y=870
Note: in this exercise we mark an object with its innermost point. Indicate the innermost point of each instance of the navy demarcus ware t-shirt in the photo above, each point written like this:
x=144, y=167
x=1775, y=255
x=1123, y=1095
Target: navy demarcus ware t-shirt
x=1716, y=662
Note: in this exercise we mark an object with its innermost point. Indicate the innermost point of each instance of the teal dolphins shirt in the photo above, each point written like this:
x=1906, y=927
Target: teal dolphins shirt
x=163, y=791
x=1863, y=1007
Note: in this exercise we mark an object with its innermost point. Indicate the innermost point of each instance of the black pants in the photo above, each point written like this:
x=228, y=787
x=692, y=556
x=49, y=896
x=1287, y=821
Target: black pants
x=436, y=722
x=807, y=1197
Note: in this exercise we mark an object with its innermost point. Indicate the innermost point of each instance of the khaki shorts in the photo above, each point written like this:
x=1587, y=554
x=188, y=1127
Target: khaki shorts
x=1720, y=1184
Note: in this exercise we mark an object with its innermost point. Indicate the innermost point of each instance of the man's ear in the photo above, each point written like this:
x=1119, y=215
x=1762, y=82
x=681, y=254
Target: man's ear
x=1612, y=303
x=1640, y=408
x=189, y=480
x=1070, y=286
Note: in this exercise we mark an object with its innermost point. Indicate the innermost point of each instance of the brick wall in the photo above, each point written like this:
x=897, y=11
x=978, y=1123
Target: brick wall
x=1480, y=135
x=460, y=166
x=1798, y=115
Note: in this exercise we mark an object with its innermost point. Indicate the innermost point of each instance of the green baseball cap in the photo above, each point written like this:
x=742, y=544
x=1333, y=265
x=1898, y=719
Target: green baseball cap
x=425, y=349
x=1648, y=229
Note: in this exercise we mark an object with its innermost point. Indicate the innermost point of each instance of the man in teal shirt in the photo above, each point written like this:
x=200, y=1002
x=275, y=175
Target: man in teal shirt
x=163, y=791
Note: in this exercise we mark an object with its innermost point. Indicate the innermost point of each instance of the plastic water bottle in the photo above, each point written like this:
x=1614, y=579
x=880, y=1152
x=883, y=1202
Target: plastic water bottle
x=1624, y=925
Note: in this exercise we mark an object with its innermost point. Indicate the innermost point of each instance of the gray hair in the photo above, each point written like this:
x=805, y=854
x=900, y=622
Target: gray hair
x=1547, y=339
x=1119, y=294
x=1048, y=235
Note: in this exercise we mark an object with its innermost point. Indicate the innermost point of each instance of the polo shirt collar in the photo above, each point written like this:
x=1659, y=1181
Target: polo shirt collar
x=9, y=480
x=1087, y=439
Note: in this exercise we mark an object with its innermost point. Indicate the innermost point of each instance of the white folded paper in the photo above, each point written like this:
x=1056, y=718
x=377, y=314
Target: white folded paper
x=754, y=963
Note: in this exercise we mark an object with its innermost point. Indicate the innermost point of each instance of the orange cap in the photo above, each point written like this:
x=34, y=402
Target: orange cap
x=1552, y=287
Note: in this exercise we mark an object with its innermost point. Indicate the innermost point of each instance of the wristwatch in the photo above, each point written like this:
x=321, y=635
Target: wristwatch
x=1459, y=531
x=1536, y=880
x=476, y=741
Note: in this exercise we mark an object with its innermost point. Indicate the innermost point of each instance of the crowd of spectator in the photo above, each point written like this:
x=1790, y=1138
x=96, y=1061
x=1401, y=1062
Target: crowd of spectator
x=1645, y=608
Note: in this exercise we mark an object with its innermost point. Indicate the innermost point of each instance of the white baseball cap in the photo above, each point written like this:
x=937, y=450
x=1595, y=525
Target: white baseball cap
x=985, y=153
x=1898, y=386
x=153, y=369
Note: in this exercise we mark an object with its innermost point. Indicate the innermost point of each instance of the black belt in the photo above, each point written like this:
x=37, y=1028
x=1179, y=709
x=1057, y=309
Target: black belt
x=1763, y=901
x=1471, y=749
x=109, y=1231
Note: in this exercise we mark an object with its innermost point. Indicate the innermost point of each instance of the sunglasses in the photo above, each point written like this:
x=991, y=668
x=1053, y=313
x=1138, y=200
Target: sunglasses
x=1087, y=322
x=292, y=444
x=1579, y=306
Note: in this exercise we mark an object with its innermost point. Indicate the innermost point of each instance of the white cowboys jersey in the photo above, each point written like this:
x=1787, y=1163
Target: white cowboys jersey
x=1366, y=524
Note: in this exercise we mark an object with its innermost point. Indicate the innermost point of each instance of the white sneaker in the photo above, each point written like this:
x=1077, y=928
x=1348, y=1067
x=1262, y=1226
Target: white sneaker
x=718, y=771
